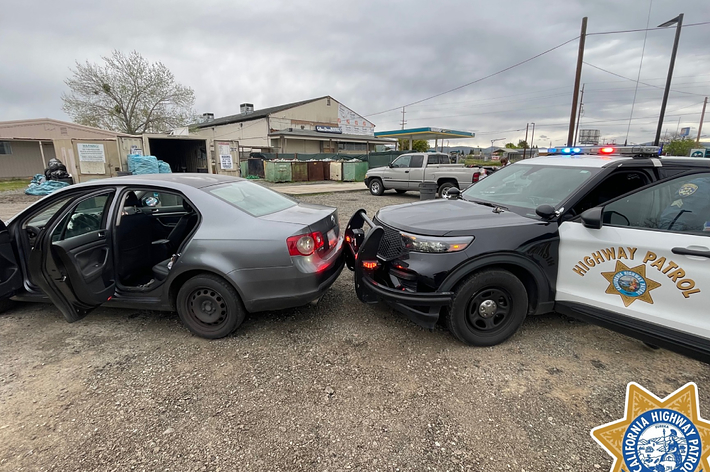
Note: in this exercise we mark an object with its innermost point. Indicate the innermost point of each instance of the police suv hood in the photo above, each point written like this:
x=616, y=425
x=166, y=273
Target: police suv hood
x=449, y=218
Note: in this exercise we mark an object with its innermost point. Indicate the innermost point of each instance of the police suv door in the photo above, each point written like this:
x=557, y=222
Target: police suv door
x=641, y=265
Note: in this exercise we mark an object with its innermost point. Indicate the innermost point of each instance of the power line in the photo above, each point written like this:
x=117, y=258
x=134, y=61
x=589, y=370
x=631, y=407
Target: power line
x=644, y=29
x=479, y=80
x=638, y=76
x=644, y=83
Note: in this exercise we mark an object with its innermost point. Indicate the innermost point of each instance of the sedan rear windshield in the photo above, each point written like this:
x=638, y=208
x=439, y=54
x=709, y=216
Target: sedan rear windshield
x=529, y=186
x=251, y=198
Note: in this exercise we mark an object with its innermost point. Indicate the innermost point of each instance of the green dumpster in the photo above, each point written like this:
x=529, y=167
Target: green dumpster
x=354, y=171
x=277, y=171
x=243, y=169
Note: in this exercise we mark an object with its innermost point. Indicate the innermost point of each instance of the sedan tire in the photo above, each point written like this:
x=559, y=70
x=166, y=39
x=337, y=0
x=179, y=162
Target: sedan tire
x=488, y=308
x=376, y=187
x=209, y=307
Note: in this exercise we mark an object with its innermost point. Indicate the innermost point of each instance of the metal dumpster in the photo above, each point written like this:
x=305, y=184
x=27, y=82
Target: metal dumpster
x=243, y=168
x=255, y=167
x=299, y=171
x=315, y=171
x=354, y=171
x=336, y=171
x=277, y=171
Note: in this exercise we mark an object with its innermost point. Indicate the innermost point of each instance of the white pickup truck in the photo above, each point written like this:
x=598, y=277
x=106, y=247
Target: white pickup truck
x=409, y=170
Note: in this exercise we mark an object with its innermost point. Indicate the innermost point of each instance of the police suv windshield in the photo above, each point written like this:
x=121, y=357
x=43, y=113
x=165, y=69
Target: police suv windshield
x=529, y=186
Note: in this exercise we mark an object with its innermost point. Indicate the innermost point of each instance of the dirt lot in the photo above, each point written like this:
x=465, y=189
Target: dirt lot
x=339, y=386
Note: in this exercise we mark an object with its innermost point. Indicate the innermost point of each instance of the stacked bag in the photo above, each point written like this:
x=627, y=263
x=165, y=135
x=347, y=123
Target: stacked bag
x=55, y=177
x=138, y=165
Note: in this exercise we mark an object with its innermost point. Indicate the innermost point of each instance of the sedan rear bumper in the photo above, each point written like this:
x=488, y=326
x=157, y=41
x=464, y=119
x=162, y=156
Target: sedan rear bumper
x=423, y=308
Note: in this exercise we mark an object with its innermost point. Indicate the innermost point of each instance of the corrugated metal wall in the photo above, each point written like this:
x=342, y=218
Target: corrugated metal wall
x=25, y=160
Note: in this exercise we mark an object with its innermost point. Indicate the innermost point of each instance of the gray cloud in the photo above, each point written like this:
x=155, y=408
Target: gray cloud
x=375, y=55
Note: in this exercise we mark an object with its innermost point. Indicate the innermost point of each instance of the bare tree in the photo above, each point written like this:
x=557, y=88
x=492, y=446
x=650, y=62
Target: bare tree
x=128, y=94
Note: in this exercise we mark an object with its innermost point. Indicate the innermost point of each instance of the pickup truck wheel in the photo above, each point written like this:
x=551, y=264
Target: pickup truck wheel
x=376, y=187
x=488, y=308
x=444, y=188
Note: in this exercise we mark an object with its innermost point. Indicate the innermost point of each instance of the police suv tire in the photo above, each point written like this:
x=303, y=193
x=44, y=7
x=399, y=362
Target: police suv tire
x=209, y=307
x=376, y=187
x=478, y=327
x=6, y=305
x=443, y=188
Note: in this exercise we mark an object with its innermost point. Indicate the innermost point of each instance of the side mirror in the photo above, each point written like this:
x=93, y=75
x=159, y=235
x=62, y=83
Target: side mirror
x=389, y=165
x=592, y=218
x=453, y=193
x=546, y=211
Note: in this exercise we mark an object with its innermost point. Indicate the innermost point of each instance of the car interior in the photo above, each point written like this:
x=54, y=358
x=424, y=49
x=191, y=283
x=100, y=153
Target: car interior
x=149, y=231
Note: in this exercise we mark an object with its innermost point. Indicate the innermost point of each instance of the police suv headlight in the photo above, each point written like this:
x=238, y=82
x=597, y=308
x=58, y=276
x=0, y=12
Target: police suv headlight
x=434, y=244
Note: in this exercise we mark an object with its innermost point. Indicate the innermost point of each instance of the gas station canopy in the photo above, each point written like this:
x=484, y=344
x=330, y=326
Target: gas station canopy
x=426, y=133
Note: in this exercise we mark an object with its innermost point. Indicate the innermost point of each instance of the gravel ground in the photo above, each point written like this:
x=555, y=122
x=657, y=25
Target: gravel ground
x=337, y=386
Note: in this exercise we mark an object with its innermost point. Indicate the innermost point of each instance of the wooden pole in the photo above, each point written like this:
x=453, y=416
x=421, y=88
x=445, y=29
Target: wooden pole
x=577, y=78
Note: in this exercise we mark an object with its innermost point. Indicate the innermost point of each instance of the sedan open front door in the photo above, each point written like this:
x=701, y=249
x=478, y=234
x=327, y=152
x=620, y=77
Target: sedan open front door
x=72, y=260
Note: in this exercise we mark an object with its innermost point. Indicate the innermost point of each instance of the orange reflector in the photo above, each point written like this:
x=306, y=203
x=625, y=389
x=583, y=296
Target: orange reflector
x=607, y=150
x=370, y=265
x=347, y=238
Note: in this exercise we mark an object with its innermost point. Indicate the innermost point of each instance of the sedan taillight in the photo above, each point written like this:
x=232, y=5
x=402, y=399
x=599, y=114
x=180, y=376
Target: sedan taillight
x=304, y=244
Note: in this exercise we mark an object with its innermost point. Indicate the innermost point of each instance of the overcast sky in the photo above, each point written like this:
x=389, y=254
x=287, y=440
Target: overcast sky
x=374, y=55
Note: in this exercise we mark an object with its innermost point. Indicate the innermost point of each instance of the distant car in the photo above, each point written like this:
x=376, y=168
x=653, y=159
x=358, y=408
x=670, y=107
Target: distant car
x=211, y=247
x=559, y=233
x=409, y=170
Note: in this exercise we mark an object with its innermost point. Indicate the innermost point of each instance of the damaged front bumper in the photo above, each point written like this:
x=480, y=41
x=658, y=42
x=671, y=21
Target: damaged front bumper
x=372, y=275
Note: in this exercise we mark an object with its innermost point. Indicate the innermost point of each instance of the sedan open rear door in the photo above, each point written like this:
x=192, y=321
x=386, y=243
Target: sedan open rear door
x=72, y=260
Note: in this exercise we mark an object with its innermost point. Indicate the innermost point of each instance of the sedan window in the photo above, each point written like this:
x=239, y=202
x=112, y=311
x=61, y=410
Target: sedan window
x=251, y=198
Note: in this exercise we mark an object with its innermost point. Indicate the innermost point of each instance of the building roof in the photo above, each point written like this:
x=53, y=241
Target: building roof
x=264, y=112
x=426, y=133
x=300, y=133
x=45, y=128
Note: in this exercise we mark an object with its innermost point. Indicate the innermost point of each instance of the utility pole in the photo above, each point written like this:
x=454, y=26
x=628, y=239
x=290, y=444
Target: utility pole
x=526, y=139
x=702, y=118
x=532, y=138
x=679, y=24
x=577, y=78
x=579, y=114
x=403, y=121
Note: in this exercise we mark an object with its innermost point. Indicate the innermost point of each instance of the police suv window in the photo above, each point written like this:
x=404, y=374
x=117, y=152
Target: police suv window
x=679, y=205
x=416, y=161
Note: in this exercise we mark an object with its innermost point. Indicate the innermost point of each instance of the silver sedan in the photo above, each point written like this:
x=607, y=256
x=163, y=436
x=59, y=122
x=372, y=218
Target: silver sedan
x=210, y=247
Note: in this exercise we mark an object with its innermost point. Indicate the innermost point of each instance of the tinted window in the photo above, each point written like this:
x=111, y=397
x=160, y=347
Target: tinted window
x=529, y=186
x=41, y=218
x=433, y=160
x=252, y=198
x=402, y=161
x=613, y=186
x=681, y=205
x=416, y=161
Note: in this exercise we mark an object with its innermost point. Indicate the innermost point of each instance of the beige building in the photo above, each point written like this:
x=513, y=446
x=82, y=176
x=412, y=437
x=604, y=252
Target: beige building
x=318, y=125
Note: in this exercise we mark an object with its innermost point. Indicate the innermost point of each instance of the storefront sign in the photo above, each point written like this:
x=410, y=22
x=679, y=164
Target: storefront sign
x=329, y=129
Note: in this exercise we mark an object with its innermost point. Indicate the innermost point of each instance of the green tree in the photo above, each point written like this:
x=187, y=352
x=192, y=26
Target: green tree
x=679, y=147
x=510, y=146
x=522, y=144
x=419, y=145
x=127, y=94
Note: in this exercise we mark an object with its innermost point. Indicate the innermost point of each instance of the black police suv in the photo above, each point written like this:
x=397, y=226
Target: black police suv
x=486, y=260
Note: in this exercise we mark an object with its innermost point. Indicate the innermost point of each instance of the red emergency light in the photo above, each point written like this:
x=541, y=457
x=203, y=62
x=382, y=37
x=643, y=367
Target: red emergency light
x=607, y=150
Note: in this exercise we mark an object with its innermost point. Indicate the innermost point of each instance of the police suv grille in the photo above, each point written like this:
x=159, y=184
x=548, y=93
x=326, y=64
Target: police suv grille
x=391, y=245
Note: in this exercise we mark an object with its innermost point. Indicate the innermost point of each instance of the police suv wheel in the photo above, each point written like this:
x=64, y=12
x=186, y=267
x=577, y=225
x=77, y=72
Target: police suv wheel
x=488, y=308
x=209, y=307
x=376, y=187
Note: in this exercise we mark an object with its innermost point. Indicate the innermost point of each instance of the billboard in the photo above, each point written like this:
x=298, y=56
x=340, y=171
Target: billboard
x=589, y=136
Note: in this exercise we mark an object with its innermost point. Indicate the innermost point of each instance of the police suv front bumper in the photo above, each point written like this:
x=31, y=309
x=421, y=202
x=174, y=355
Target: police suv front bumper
x=372, y=275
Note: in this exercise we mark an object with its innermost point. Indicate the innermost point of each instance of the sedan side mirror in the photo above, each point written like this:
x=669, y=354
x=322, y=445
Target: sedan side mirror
x=592, y=218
